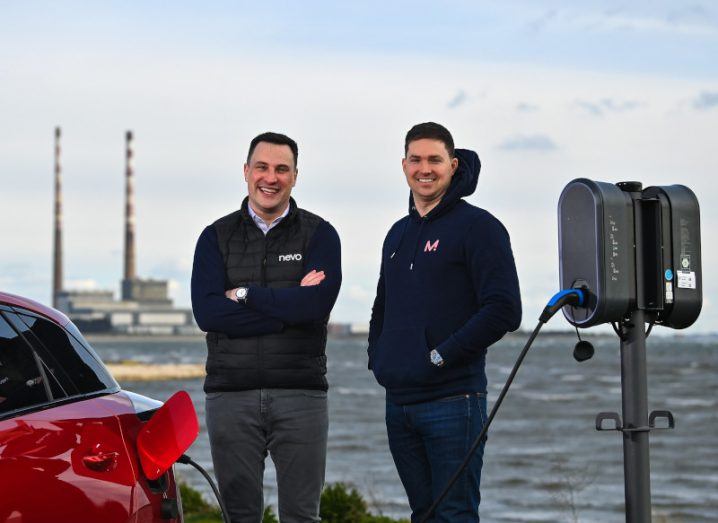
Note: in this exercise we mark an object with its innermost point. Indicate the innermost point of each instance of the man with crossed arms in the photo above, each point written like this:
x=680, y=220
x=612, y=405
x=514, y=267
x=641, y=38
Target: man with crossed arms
x=264, y=281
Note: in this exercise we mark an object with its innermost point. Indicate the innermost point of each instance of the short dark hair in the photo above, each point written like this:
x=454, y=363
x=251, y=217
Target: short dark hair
x=277, y=139
x=431, y=131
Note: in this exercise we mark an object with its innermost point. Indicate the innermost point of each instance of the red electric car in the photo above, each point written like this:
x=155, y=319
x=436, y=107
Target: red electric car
x=74, y=447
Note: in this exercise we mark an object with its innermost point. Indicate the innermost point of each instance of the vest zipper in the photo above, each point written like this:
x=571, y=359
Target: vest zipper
x=260, y=343
x=264, y=264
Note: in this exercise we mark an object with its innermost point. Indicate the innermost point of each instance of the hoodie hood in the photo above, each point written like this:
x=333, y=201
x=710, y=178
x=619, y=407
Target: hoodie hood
x=463, y=183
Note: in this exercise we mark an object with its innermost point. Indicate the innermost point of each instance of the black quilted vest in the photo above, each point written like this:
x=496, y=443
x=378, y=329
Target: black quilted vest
x=292, y=359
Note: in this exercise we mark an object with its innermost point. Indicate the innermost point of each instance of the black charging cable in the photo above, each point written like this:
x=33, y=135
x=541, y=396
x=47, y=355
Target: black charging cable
x=568, y=297
x=186, y=460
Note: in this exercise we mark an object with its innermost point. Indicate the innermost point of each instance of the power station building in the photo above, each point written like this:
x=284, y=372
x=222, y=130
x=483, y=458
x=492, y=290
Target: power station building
x=145, y=306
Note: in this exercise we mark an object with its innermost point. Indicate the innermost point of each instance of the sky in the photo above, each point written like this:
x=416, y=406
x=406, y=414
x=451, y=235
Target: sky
x=545, y=92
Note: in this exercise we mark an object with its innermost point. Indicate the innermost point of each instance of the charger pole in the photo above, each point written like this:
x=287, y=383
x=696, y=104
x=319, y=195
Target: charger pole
x=636, y=461
x=634, y=391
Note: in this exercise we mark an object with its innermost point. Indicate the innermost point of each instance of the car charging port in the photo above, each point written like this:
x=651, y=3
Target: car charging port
x=159, y=485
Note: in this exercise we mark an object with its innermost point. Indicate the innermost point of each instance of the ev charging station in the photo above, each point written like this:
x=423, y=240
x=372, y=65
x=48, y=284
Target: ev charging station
x=636, y=254
x=629, y=257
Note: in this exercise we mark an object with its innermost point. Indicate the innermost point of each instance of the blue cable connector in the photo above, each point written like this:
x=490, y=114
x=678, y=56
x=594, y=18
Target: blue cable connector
x=566, y=297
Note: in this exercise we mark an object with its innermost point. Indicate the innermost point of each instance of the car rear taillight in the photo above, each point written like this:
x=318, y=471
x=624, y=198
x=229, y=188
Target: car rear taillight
x=167, y=435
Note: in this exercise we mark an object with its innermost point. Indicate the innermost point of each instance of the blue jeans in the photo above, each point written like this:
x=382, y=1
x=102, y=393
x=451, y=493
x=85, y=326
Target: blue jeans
x=428, y=442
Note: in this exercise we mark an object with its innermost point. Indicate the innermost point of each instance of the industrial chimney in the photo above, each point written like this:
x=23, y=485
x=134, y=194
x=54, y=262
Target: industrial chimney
x=57, y=247
x=130, y=273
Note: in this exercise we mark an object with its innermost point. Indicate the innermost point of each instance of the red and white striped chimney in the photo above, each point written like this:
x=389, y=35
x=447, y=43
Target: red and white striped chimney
x=57, y=243
x=130, y=273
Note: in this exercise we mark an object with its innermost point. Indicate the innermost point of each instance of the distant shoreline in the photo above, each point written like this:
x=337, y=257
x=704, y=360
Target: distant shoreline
x=136, y=371
x=141, y=338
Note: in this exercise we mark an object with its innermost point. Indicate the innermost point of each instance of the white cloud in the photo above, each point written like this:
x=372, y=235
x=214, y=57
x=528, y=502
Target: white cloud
x=691, y=20
x=533, y=142
x=359, y=293
x=706, y=100
x=539, y=23
x=525, y=107
x=458, y=100
x=82, y=285
x=607, y=105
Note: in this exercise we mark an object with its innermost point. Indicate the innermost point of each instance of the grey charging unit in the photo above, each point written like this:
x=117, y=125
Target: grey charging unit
x=636, y=253
x=672, y=255
x=596, y=237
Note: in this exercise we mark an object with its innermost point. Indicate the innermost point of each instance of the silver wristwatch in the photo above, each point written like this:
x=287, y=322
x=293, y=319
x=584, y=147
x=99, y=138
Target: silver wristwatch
x=436, y=358
x=241, y=294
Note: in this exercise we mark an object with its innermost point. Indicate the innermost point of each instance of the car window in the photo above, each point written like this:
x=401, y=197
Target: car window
x=21, y=379
x=75, y=332
x=71, y=363
x=59, y=383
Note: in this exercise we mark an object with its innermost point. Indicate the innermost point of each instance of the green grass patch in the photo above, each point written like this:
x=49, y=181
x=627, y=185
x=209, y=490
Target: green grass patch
x=340, y=503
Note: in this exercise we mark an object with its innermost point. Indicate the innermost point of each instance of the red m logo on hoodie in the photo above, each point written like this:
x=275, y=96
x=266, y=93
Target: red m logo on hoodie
x=431, y=246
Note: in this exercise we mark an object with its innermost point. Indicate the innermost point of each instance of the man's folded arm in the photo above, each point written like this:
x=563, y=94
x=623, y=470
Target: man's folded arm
x=213, y=311
x=296, y=305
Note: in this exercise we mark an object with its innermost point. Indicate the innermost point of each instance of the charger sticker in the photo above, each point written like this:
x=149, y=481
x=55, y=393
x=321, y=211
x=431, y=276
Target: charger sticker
x=686, y=279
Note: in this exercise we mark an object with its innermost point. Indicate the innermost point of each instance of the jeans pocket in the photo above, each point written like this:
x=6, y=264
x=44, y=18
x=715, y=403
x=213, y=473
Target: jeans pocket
x=480, y=399
x=317, y=394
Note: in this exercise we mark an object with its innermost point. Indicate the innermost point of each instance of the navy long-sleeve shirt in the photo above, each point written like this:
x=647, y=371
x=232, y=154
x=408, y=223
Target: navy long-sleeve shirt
x=266, y=310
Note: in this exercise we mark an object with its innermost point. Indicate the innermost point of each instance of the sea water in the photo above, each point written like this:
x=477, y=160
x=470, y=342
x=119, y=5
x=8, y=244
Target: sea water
x=544, y=460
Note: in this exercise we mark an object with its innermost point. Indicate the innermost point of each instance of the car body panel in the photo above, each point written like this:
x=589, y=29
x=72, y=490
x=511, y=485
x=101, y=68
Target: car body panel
x=46, y=452
x=75, y=460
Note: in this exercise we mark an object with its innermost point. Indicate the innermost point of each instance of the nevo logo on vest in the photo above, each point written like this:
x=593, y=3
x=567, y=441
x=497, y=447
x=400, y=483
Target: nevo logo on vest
x=290, y=257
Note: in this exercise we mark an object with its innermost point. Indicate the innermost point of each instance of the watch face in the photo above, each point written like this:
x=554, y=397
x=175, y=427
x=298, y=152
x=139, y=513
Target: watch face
x=241, y=293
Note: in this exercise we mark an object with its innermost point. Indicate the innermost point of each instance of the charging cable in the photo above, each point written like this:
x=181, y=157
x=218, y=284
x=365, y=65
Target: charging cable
x=185, y=459
x=575, y=297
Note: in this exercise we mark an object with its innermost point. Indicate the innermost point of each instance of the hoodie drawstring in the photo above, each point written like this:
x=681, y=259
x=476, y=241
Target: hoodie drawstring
x=416, y=247
x=418, y=241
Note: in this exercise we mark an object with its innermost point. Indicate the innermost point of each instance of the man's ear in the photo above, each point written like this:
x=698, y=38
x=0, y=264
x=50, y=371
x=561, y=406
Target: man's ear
x=246, y=171
x=296, y=174
x=454, y=165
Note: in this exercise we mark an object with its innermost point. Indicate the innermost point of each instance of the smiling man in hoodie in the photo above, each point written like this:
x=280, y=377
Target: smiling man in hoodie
x=447, y=291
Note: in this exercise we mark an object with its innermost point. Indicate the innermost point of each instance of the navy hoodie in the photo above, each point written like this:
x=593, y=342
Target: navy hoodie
x=448, y=282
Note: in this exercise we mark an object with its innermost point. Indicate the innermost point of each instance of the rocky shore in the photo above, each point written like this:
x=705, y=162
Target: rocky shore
x=137, y=371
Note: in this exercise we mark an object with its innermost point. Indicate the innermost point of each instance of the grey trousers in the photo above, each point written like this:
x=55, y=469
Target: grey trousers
x=289, y=424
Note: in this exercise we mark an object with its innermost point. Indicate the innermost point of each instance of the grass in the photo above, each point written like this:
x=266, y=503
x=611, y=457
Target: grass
x=340, y=503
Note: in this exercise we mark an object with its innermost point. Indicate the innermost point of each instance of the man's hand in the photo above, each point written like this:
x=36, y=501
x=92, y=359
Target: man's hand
x=311, y=278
